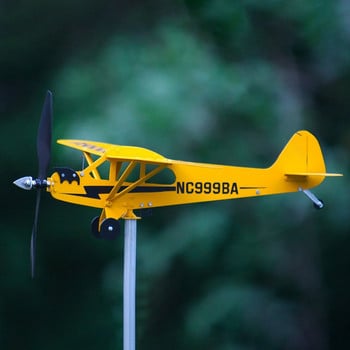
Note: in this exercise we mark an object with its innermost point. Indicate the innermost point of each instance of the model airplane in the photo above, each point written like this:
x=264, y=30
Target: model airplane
x=120, y=179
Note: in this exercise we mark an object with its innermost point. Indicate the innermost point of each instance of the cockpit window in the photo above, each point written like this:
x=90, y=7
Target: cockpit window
x=164, y=177
x=103, y=170
x=115, y=170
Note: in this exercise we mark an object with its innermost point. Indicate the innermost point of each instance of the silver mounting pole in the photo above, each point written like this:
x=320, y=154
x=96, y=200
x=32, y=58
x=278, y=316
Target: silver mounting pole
x=129, y=283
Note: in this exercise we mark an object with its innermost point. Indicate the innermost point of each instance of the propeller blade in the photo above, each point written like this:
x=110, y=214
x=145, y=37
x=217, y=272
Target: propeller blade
x=32, y=253
x=43, y=144
x=44, y=137
x=44, y=154
x=34, y=233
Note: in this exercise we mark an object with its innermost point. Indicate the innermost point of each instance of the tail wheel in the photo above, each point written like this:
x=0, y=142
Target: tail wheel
x=320, y=205
x=110, y=228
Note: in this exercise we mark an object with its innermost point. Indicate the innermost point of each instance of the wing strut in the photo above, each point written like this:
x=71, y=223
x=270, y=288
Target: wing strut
x=114, y=194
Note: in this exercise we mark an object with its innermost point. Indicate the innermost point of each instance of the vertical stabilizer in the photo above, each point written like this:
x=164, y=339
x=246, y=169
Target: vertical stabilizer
x=302, y=159
x=301, y=155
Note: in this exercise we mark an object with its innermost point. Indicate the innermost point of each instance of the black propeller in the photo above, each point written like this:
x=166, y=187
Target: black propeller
x=44, y=137
x=44, y=155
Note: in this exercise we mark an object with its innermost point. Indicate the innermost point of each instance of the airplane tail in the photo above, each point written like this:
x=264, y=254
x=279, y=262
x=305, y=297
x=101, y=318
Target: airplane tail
x=302, y=159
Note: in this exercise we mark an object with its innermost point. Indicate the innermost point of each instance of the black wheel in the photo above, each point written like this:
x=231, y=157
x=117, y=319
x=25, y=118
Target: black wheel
x=94, y=227
x=110, y=228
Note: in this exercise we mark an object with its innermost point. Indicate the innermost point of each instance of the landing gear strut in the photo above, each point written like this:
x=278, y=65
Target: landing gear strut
x=110, y=228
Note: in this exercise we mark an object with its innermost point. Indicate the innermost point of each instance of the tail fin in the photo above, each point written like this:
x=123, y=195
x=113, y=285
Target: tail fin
x=302, y=157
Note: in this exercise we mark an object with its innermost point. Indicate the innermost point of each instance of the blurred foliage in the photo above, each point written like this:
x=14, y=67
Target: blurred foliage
x=203, y=80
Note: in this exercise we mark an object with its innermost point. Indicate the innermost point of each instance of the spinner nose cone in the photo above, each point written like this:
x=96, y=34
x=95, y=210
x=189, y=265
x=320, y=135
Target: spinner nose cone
x=26, y=182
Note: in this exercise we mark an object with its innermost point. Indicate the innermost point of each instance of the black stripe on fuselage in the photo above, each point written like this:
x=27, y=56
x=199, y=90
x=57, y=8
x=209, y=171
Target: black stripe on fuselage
x=95, y=191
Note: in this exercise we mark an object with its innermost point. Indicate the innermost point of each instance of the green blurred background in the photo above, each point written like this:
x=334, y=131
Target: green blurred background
x=205, y=80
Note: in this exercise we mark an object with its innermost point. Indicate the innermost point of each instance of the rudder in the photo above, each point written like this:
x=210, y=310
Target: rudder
x=302, y=155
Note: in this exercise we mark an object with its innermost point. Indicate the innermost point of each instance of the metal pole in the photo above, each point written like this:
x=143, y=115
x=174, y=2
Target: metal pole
x=129, y=284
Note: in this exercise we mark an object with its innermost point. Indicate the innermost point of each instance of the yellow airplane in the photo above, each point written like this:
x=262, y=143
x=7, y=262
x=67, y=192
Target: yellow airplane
x=121, y=179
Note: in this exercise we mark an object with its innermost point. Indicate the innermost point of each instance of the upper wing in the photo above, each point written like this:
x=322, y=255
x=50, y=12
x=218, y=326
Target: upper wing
x=124, y=153
x=97, y=148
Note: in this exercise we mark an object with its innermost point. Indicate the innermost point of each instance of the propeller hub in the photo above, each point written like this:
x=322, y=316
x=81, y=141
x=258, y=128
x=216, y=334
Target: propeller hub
x=38, y=183
x=28, y=183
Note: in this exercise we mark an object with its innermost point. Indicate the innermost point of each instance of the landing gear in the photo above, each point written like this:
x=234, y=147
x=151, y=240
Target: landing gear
x=110, y=228
x=318, y=203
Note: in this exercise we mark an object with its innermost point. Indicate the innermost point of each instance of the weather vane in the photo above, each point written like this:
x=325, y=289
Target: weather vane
x=121, y=179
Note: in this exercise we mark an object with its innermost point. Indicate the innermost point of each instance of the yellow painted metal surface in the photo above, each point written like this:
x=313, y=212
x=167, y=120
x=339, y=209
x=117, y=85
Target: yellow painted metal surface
x=300, y=165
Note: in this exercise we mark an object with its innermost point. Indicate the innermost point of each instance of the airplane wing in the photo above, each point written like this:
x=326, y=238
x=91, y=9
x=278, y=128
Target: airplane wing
x=124, y=153
x=97, y=148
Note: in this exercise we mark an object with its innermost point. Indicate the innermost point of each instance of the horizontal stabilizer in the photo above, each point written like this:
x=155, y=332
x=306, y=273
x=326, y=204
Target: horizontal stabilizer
x=313, y=174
